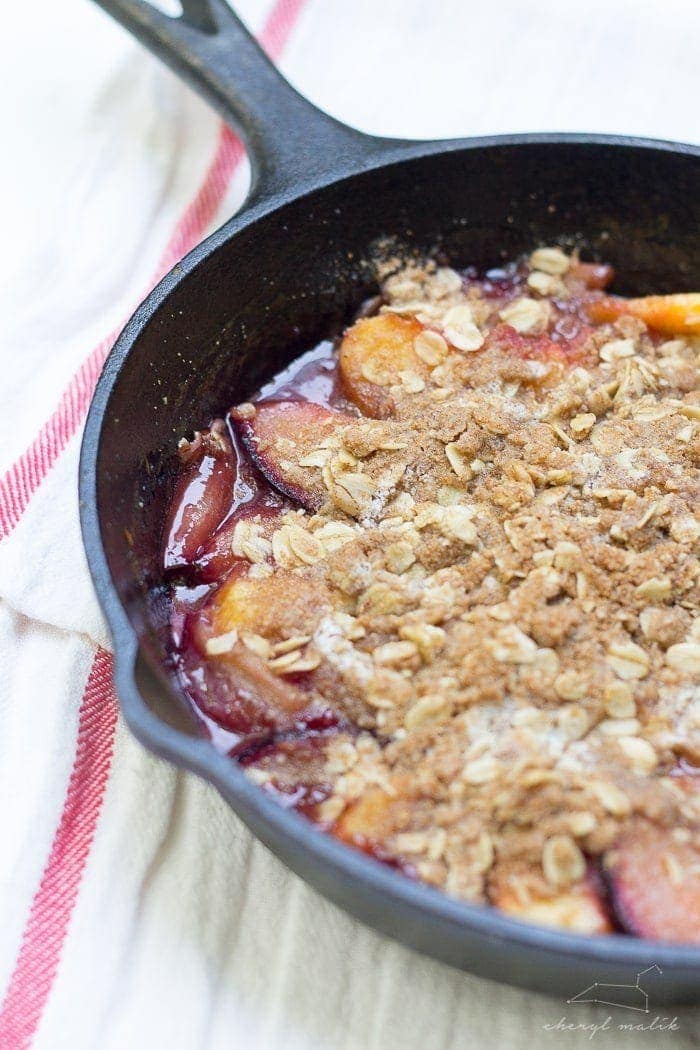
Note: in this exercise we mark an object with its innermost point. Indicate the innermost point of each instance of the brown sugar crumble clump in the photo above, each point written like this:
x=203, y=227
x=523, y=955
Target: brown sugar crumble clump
x=457, y=622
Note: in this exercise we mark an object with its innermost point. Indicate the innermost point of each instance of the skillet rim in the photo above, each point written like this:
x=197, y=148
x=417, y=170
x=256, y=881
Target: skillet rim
x=198, y=754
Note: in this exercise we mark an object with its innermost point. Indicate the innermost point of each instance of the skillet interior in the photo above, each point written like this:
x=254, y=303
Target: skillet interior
x=274, y=289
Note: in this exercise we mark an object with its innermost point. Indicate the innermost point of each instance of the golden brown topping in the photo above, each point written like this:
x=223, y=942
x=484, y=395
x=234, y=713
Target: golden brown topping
x=495, y=578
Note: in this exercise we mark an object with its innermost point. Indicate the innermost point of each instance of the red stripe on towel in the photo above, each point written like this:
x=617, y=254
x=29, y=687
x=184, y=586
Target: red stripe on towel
x=23, y=478
x=52, y=906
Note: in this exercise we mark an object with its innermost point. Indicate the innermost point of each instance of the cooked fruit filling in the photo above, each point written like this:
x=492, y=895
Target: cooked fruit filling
x=437, y=587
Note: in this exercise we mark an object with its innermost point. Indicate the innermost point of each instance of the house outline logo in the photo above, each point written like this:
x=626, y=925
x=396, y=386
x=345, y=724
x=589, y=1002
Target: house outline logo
x=616, y=994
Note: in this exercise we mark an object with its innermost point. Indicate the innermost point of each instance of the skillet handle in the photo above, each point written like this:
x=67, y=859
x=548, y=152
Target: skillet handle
x=291, y=143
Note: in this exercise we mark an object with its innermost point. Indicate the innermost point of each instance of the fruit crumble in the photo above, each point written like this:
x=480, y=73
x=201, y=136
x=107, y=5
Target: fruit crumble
x=436, y=586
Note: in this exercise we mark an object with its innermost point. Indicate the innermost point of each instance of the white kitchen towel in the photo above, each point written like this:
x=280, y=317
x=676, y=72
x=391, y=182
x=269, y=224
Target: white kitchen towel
x=135, y=910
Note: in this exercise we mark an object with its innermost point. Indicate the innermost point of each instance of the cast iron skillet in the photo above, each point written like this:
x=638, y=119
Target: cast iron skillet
x=286, y=271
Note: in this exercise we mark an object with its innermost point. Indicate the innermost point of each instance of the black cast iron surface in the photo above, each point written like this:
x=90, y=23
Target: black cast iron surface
x=284, y=273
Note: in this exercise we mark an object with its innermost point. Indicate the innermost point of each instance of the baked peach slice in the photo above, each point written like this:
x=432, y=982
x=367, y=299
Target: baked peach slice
x=669, y=314
x=283, y=605
x=376, y=815
x=366, y=819
x=367, y=823
x=654, y=883
x=285, y=440
x=203, y=495
x=579, y=908
x=374, y=354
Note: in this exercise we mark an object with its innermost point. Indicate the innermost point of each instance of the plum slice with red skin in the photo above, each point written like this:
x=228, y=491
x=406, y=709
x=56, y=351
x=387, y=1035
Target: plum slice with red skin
x=277, y=434
x=218, y=558
x=236, y=687
x=654, y=883
x=242, y=695
x=254, y=679
x=202, y=497
x=253, y=675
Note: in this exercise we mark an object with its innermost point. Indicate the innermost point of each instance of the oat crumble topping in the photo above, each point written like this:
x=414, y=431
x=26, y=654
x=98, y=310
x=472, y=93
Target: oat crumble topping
x=490, y=574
